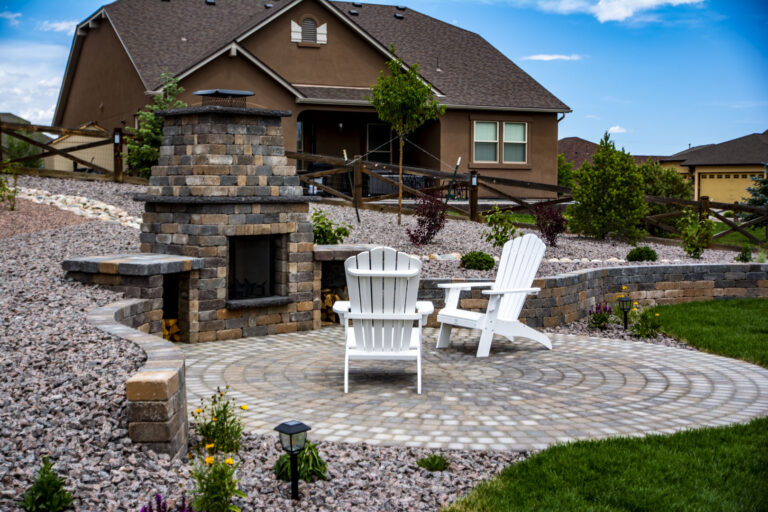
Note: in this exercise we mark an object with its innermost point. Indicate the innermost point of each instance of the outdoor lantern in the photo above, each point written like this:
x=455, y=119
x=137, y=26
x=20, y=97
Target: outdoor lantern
x=293, y=437
x=625, y=304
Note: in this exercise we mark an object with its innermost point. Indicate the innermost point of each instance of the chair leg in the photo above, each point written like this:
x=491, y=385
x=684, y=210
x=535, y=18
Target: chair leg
x=484, y=347
x=444, y=339
x=346, y=373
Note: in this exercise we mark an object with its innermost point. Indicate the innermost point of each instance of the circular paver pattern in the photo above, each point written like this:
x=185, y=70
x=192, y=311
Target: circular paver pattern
x=522, y=397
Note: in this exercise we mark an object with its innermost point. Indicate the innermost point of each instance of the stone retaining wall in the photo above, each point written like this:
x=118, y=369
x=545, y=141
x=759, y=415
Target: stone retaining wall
x=157, y=400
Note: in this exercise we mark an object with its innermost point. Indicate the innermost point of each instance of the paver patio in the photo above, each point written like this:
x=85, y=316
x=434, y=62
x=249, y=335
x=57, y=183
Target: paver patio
x=522, y=397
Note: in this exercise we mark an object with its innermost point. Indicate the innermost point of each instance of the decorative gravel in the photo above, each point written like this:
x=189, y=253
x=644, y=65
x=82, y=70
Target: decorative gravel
x=615, y=332
x=116, y=194
x=29, y=217
x=460, y=236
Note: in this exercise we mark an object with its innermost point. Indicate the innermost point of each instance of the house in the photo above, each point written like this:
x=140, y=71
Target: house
x=318, y=59
x=103, y=156
x=577, y=151
x=723, y=171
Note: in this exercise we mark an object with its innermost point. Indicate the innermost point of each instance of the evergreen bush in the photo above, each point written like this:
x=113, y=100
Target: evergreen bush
x=47, y=493
x=477, y=260
x=643, y=253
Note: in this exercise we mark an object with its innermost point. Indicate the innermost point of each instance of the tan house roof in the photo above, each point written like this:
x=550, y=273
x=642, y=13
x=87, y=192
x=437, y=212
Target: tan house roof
x=465, y=70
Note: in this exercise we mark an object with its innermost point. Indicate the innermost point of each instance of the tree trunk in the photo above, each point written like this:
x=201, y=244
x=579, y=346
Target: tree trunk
x=400, y=188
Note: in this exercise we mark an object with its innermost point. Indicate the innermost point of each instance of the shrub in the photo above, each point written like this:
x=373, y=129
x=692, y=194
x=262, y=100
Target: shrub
x=745, y=255
x=9, y=187
x=477, y=260
x=564, y=172
x=608, y=195
x=162, y=506
x=758, y=196
x=216, y=485
x=761, y=257
x=325, y=231
x=600, y=316
x=697, y=233
x=47, y=493
x=311, y=467
x=646, y=324
x=643, y=253
x=430, y=219
x=218, y=425
x=502, y=227
x=550, y=223
x=435, y=462
x=663, y=182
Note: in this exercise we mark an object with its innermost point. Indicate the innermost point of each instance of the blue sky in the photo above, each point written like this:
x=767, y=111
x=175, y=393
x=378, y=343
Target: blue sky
x=659, y=74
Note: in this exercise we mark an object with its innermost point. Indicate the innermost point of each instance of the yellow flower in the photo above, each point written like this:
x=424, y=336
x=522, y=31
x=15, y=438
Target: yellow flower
x=214, y=419
x=244, y=407
x=621, y=296
x=623, y=287
x=198, y=410
x=635, y=303
x=209, y=446
x=209, y=460
x=634, y=309
x=229, y=461
x=656, y=314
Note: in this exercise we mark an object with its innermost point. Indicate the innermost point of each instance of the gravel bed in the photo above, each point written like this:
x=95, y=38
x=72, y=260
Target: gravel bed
x=116, y=194
x=463, y=236
x=29, y=217
x=615, y=332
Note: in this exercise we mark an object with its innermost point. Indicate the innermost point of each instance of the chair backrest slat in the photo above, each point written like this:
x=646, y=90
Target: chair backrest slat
x=520, y=260
x=390, y=294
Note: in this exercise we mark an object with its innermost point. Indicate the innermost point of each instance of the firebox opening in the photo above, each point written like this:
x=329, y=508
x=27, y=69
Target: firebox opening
x=251, y=267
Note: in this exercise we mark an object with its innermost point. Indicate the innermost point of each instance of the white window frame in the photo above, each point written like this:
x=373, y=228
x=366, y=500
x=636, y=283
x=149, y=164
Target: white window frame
x=474, y=141
x=524, y=143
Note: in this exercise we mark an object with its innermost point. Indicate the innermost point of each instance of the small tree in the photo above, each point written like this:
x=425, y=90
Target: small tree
x=608, y=195
x=144, y=144
x=663, y=182
x=16, y=148
x=758, y=196
x=403, y=101
x=564, y=172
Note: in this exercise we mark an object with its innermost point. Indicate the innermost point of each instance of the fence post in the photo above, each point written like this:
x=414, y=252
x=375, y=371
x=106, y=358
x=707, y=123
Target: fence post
x=358, y=180
x=473, y=195
x=117, y=138
x=703, y=207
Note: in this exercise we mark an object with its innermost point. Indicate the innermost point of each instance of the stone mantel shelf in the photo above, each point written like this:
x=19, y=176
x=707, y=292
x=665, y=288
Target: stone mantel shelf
x=261, y=302
x=218, y=109
x=146, y=198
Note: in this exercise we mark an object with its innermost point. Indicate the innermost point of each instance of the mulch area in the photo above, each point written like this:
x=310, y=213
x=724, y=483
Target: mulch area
x=29, y=217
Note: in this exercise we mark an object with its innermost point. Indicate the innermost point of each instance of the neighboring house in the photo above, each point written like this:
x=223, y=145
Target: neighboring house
x=103, y=156
x=577, y=151
x=317, y=59
x=723, y=171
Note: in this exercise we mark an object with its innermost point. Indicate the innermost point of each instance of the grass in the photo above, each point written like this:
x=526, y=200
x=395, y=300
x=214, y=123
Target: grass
x=720, y=469
x=710, y=326
x=737, y=238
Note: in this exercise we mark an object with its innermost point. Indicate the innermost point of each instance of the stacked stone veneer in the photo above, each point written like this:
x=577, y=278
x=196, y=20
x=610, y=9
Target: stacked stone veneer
x=568, y=297
x=222, y=173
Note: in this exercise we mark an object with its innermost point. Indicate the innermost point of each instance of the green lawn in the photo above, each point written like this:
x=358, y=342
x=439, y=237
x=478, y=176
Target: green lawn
x=737, y=238
x=719, y=469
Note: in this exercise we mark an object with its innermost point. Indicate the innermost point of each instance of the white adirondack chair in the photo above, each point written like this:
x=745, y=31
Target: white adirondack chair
x=520, y=259
x=382, y=309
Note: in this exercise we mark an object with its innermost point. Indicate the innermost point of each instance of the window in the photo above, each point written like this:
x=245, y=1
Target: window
x=486, y=141
x=379, y=143
x=515, y=138
x=308, y=31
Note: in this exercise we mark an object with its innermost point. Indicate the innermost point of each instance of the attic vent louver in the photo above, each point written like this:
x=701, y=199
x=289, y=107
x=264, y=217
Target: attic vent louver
x=268, y=6
x=400, y=7
x=399, y=16
x=357, y=4
x=353, y=12
x=210, y=2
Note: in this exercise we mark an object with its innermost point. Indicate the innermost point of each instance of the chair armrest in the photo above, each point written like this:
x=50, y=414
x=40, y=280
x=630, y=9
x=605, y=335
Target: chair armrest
x=518, y=290
x=424, y=307
x=341, y=307
x=466, y=285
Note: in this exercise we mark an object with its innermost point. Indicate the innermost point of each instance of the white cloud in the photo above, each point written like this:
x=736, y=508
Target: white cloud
x=617, y=129
x=553, y=56
x=592, y=116
x=610, y=10
x=58, y=26
x=30, y=76
x=12, y=17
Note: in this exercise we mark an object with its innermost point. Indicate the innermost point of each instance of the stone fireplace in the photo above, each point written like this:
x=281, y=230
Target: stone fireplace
x=222, y=192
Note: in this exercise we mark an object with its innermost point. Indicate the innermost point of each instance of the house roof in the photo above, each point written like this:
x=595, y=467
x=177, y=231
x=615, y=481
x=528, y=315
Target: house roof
x=578, y=151
x=464, y=68
x=748, y=150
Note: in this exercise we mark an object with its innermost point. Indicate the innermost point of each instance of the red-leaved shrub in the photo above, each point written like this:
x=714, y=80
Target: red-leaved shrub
x=430, y=219
x=550, y=222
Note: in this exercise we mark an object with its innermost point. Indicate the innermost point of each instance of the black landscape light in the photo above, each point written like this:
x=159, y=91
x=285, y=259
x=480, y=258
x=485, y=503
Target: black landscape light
x=625, y=304
x=293, y=437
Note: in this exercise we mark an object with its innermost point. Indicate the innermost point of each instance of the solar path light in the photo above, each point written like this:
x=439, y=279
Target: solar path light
x=293, y=437
x=625, y=304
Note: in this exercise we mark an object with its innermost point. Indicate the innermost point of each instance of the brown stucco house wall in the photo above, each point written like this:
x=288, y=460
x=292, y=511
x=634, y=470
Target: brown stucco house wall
x=120, y=52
